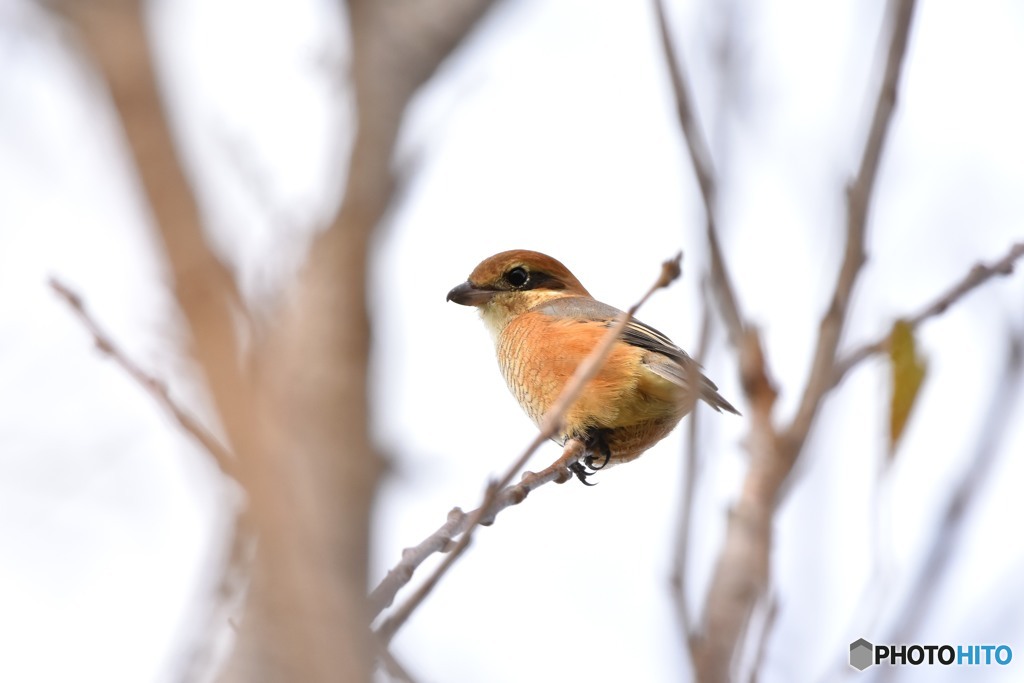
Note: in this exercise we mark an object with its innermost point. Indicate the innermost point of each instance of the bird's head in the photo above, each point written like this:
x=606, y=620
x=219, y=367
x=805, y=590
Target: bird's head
x=512, y=282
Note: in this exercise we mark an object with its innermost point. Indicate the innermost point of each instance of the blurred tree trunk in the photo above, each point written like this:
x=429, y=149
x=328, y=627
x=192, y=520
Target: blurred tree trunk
x=298, y=421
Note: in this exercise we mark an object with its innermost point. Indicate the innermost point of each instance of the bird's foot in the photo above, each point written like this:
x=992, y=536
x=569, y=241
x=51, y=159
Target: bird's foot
x=599, y=454
x=597, y=444
x=581, y=473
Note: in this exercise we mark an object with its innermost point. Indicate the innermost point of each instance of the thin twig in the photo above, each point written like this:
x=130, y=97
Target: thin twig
x=550, y=426
x=157, y=389
x=204, y=650
x=243, y=534
x=741, y=574
x=310, y=476
x=458, y=521
x=394, y=668
x=574, y=450
x=859, y=198
x=875, y=593
x=762, y=640
x=742, y=569
x=700, y=157
x=950, y=535
x=678, y=578
x=977, y=276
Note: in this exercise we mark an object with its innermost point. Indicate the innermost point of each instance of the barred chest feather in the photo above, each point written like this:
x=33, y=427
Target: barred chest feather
x=533, y=387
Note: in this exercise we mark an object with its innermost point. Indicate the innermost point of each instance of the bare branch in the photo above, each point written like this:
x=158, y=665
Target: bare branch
x=550, y=426
x=700, y=156
x=458, y=521
x=977, y=276
x=394, y=668
x=764, y=636
x=859, y=196
x=157, y=389
x=680, y=564
x=205, y=289
x=243, y=534
x=491, y=505
x=741, y=574
x=950, y=534
x=742, y=570
x=305, y=612
x=298, y=604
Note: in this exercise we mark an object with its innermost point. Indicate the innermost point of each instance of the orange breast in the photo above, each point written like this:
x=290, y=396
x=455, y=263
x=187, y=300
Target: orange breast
x=538, y=354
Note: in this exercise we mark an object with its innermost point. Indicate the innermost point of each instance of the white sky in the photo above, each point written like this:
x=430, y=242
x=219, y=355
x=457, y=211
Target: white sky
x=553, y=130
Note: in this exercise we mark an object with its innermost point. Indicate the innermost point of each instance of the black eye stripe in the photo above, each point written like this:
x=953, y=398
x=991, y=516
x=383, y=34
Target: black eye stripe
x=521, y=279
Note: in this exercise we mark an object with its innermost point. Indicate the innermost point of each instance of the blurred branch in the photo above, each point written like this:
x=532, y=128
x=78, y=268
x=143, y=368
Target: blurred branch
x=742, y=570
x=157, y=389
x=205, y=651
x=290, y=569
x=700, y=156
x=205, y=289
x=741, y=574
x=678, y=577
x=395, y=669
x=550, y=426
x=396, y=48
x=242, y=534
x=950, y=535
x=859, y=196
x=977, y=276
x=299, y=421
x=771, y=614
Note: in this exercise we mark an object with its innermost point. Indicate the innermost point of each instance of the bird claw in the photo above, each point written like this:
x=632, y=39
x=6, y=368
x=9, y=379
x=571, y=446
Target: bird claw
x=581, y=473
x=595, y=443
x=599, y=444
x=589, y=461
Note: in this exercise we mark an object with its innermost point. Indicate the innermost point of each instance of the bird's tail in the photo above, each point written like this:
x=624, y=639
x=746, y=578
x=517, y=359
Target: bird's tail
x=709, y=393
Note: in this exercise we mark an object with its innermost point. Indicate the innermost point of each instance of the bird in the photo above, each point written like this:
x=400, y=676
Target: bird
x=544, y=323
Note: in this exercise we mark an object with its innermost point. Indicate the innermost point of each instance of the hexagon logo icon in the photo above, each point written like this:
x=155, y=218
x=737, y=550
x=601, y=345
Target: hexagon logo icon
x=861, y=654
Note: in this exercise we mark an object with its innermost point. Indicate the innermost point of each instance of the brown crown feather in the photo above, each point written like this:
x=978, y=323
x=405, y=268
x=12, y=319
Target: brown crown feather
x=492, y=269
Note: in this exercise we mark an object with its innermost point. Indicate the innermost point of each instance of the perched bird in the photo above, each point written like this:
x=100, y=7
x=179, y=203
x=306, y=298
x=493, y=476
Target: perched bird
x=544, y=323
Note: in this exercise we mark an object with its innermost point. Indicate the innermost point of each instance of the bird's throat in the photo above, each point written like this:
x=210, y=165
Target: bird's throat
x=504, y=307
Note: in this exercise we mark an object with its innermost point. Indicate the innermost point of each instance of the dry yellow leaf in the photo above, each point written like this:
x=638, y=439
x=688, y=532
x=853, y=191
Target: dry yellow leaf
x=908, y=371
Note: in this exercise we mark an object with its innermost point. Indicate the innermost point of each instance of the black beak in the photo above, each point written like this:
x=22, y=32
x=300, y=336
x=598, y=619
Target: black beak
x=468, y=295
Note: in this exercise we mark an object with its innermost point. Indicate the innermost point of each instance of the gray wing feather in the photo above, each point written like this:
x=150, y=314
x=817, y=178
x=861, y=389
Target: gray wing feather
x=675, y=365
x=582, y=307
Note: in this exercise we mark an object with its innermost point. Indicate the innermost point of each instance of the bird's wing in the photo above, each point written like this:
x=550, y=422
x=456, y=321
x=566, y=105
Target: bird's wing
x=670, y=363
x=635, y=334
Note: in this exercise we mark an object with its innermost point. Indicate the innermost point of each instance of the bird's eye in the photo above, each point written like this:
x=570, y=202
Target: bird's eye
x=517, y=277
